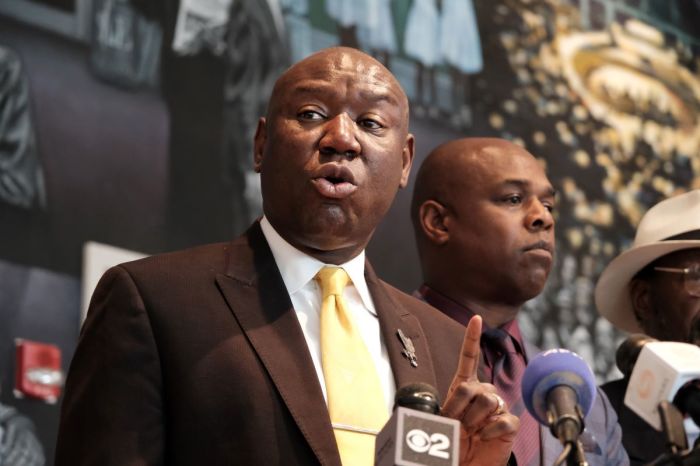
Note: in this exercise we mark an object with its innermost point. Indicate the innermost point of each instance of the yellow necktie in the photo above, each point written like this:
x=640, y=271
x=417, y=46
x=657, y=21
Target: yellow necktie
x=355, y=398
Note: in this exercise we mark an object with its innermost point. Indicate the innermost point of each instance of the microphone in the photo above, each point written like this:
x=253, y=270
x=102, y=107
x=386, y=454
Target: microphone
x=419, y=396
x=415, y=434
x=694, y=336
x=559, y=389
x=687, y=400
x=628, y=352
x=665, y=371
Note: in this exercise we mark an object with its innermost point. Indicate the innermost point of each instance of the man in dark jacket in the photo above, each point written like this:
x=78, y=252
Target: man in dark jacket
x=654, y=288
x=482, y=214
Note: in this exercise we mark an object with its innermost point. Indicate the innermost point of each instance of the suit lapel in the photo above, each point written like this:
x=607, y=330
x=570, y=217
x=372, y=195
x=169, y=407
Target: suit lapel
x=649, y=441
x=393, y=317
x=255, y=292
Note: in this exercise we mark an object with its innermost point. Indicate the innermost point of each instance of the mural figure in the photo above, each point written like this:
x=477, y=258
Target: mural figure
x=347, y=15
x=298, y=28
x=213, y=93
x=19, y=445
x=421, y=43
x=124, y=45
x=460, y=46
x=378, y=34
x=21, y=176
x=255, y=57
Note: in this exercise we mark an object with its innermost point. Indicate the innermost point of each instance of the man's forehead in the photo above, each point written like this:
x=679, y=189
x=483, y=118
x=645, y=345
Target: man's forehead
x=507, y=165
x=682, y=256
x=338, y=60
x=506, y=153
x=347, y=68
x=502, y=159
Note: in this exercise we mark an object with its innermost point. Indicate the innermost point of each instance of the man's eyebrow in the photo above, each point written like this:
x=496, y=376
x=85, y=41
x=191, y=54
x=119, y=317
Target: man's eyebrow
x=525, y=184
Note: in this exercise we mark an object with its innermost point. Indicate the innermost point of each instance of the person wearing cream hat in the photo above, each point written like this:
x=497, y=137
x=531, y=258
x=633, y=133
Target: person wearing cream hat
x=653, y=288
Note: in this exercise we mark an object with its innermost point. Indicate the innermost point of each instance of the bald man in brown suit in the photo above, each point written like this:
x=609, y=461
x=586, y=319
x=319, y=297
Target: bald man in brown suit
x=207, y=356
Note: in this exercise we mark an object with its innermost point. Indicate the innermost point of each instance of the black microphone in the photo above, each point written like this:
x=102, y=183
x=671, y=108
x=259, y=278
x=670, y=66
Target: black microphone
x=694, y=336
x=687, y=400
x=628, y=352
x=415, y=434
x=419, y=396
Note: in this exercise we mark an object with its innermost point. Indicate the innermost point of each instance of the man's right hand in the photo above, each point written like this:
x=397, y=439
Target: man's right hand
x=488, y=429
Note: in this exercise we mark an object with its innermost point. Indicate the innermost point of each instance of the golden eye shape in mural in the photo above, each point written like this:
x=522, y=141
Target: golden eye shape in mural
x=628, y=80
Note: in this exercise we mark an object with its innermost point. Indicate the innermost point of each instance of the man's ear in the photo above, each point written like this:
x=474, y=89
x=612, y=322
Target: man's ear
x=640, y=295
x=432, y=216
x=259, y=144
x=407, y=159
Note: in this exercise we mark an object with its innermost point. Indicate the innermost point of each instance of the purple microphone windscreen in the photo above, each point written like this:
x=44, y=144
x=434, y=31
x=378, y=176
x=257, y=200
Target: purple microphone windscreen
x=553, y=368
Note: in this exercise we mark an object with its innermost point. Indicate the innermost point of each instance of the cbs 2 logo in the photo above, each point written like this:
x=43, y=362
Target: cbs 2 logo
x=435, y=445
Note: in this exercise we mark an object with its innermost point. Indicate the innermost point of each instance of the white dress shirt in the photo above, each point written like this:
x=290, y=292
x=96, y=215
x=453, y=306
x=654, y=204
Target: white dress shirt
x=298, y=271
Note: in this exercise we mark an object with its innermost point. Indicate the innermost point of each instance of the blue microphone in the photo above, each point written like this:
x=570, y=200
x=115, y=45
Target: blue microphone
x=559, y=389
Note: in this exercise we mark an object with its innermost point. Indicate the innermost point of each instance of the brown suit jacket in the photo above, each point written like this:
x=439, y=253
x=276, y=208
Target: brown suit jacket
x=197, y=357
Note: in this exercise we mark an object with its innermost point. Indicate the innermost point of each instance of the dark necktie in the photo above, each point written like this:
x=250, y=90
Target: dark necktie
x=506, y=374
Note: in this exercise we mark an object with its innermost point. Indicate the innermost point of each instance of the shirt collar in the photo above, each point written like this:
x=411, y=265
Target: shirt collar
x=462, y=314
x=298, y=268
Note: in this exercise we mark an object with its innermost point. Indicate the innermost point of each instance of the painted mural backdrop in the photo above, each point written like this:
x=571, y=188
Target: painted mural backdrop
x=129, y=123
x=608, y=94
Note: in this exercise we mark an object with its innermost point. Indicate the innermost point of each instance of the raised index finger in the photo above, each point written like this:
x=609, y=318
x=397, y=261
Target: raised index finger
x=469, y=357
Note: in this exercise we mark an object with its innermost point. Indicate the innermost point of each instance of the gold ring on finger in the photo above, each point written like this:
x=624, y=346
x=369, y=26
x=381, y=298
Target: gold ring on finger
x=501, y=407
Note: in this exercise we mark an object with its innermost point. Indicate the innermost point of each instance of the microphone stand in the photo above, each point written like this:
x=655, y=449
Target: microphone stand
x=573, y=455
x=689, y=458
x=567, y=428
x=676, y=440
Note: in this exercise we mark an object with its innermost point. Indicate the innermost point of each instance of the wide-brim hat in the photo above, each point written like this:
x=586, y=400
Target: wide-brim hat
x=664, y=221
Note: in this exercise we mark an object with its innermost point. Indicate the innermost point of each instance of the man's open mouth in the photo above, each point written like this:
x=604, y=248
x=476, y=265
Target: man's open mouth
x=334, y=181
